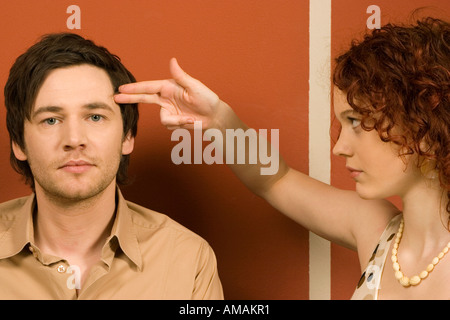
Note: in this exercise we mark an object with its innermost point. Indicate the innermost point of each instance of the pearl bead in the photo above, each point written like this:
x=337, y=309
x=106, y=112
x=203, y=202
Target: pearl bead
x=396, y=266
x=404, y=281
x=415, y=280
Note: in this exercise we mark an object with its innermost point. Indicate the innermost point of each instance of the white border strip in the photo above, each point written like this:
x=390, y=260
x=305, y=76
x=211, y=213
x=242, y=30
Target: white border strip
x=319, y=136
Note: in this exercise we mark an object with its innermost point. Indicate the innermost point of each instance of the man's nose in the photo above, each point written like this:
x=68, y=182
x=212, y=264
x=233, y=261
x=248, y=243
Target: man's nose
x=74, y=135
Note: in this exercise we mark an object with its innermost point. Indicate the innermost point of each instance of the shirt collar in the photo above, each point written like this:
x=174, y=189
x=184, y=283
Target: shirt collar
x=123, y=229
x=16, y=220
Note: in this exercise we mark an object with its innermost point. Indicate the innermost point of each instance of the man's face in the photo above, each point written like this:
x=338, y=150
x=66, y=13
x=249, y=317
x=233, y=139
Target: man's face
x=74, y=140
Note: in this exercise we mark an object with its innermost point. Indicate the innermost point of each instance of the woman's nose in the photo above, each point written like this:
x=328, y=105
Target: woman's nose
x=342, y=147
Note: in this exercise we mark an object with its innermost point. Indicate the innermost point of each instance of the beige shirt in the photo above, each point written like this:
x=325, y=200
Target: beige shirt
x=147, y=256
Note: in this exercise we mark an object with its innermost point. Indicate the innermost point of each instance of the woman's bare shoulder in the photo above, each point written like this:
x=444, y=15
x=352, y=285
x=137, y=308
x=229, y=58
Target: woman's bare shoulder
x=369, y=226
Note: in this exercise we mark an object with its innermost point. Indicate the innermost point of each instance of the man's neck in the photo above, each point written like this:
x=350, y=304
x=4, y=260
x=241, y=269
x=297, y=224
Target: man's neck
x=74, y=230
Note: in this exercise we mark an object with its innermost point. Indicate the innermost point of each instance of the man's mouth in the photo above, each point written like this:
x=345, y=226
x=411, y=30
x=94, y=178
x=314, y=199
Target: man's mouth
x=76, y=166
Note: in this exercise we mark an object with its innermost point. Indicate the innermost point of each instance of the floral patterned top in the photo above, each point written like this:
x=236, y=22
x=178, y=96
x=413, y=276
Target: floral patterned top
x=369, y=283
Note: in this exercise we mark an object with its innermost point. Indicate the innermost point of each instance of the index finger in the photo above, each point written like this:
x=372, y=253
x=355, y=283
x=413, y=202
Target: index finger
x=122, y=98
x=143, y=87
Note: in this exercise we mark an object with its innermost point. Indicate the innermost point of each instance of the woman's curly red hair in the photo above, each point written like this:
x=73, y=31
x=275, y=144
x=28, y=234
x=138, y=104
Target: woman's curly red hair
x=399, y=77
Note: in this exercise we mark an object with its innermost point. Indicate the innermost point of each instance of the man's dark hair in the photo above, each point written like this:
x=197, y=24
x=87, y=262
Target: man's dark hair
x=29, y=72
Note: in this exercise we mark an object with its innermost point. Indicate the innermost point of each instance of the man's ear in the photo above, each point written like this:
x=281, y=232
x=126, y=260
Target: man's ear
x=18, y=152
x=127, y=144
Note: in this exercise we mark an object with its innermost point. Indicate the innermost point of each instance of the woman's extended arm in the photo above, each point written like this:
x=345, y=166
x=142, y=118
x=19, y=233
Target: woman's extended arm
x=338, y=215
x=184, y=100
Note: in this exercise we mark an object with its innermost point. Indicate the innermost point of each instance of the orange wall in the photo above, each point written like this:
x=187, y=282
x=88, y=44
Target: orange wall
x=255, y=55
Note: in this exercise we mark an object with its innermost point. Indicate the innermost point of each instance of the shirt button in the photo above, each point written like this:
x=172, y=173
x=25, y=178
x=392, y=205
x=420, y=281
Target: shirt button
x=61, y=268
x=34, y=252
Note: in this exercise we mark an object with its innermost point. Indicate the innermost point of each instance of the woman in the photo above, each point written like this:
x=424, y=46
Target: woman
x=392, y=99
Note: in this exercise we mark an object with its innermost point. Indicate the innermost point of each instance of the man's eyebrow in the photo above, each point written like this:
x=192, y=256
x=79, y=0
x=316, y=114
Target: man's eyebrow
x=98, y=105
x=56, y=109
x=52, y=109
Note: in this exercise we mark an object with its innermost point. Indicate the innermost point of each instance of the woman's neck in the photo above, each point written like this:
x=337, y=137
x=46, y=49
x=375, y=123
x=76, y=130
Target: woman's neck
x=426, y=218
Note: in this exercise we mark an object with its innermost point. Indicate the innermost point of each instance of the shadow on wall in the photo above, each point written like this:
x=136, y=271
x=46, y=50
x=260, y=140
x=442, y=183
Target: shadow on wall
x=255, y=245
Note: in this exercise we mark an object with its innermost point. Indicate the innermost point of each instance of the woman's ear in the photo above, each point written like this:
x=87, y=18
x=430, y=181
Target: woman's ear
x=428, y=168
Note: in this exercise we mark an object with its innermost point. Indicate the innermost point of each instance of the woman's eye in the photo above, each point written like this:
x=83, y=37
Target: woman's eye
x=355, y=122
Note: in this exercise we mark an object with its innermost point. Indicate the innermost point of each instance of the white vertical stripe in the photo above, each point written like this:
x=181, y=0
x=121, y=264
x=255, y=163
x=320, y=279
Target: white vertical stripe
x=319, y=137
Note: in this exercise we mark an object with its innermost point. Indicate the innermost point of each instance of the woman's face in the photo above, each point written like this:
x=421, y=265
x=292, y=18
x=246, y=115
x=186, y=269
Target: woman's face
x=375, y=165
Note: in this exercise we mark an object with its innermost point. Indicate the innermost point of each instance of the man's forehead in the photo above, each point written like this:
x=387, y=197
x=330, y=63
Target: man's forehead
x=85, y=86
x=77, y=74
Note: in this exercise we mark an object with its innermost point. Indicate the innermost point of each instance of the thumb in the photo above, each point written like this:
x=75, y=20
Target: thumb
x=178, y=74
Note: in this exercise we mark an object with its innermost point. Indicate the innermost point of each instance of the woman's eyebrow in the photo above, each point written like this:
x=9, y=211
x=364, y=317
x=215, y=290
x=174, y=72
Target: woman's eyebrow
x=347, y=112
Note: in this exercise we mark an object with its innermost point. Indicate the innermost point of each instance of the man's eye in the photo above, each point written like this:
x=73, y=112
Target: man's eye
x=51, y=121
x=96, y=117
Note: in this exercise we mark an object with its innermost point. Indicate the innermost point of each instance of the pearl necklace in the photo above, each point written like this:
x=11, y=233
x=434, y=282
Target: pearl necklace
x=415, y=280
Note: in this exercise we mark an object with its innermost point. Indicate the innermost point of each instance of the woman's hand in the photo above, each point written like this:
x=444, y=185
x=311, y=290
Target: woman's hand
x=182, y=99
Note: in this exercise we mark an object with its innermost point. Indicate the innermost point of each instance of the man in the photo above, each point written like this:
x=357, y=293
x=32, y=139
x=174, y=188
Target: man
x=76, y=237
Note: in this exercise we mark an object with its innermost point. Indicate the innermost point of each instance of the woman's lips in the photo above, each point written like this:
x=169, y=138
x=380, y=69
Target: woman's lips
x=354, y=173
